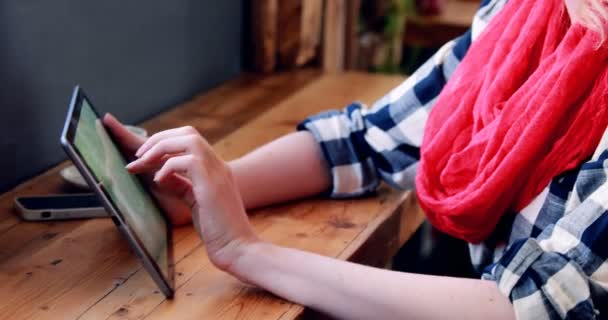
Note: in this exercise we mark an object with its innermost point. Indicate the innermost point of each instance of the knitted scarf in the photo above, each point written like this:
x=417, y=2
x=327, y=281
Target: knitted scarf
x=528, y=102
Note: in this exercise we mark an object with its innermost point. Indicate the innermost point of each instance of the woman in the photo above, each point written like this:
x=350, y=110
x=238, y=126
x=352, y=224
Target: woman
x=513, y=159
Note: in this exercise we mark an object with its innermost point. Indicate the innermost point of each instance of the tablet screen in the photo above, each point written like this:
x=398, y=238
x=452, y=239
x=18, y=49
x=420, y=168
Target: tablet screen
x=126, y=192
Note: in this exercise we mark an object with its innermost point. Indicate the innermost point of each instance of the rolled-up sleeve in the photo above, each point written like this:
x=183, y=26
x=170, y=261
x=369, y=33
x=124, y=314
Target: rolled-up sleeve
x=563, y=273
x=364, y=146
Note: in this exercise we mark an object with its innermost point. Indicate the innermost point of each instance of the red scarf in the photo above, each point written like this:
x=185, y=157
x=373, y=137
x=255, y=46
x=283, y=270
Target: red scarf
x=528, y=102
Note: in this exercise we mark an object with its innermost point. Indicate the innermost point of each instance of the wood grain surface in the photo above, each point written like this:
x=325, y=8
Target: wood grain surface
x=84, y=269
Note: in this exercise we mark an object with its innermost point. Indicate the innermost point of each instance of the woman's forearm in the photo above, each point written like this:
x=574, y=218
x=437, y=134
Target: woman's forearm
x=351, y=291
x=288, y=168
x=292, y=167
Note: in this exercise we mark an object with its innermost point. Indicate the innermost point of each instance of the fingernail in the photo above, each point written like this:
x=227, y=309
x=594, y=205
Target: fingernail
x=140, y=150
x=129, y=166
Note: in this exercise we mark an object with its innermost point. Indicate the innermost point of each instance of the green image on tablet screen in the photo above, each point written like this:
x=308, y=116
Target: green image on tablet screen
x=127, y=193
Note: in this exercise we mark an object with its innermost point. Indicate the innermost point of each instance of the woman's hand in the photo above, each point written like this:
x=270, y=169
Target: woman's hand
x=171, y=201
x=209, y=188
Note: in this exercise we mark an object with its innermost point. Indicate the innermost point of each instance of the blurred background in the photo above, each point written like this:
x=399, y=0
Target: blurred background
x=392, y=36
x=138, y=58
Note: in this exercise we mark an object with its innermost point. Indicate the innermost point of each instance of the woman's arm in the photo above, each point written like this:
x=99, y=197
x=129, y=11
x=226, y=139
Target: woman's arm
x=288, y=168
x=342, y=289
x=350, y=291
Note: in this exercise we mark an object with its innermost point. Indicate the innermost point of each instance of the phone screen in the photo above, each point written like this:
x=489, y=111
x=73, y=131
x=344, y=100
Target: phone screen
x=125, y=190
x=60, y=202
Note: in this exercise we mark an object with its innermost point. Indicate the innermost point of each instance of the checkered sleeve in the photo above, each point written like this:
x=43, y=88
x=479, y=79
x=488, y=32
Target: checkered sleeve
x=563, y=272
x=363, y=146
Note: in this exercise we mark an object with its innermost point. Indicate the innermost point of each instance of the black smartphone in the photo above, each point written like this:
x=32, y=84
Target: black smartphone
x=60, y=207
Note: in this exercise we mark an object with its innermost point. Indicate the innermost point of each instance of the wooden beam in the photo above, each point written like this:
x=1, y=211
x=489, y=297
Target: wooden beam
x=264, y=25
x=310, y=36
x=289, y=20
x=299, y=31
x=334, y=28
x=351, y=54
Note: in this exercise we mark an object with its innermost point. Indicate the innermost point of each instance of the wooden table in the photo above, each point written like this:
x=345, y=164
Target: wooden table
x=84, y=269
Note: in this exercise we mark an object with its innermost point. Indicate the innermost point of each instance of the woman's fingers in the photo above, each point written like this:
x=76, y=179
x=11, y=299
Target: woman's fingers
x=157, y=137
x=175, y=184
x=128, y=141
x=158, y=153
x=182, y=165
x=181, y=188
x=186, y=166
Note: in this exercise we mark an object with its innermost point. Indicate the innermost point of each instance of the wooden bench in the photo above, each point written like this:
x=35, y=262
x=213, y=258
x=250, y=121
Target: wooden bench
x=85, y=270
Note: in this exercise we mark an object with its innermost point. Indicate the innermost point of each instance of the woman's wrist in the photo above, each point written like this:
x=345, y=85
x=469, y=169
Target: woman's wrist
x=226, y=256
x=243, y=256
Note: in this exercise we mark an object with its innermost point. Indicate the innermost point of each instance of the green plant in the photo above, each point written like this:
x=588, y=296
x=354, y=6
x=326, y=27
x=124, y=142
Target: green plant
x=393, y=32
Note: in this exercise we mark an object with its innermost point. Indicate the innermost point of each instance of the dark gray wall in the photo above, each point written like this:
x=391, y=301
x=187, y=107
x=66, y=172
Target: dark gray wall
x=133, y=58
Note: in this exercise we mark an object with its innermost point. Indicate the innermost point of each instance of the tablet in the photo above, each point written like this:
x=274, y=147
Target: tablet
x=131, y=206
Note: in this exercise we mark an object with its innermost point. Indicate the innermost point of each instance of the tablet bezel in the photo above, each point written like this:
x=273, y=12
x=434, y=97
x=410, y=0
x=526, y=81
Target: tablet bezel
x=164, y=282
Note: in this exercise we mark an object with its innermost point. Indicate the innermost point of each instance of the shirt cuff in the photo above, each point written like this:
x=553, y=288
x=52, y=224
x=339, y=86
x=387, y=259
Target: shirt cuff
x=352, y=172
x=543, y=285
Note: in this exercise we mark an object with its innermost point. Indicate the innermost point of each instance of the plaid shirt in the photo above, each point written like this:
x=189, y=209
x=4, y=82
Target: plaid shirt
x=550, y=260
